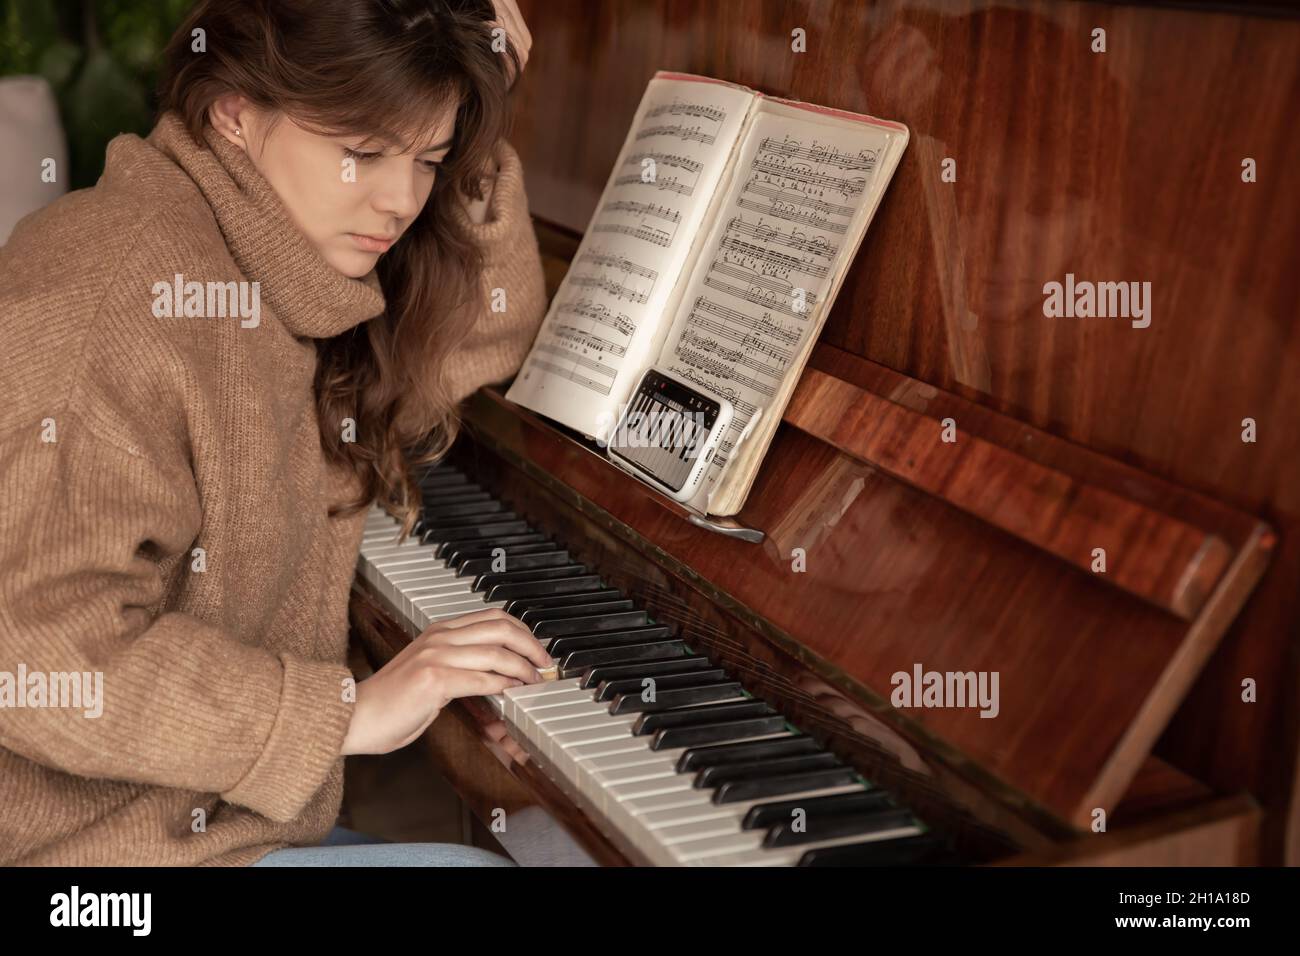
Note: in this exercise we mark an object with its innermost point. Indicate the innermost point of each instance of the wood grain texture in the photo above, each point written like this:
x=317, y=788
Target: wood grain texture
x=1122, y=166
x=1170, y=563
x=1222, y=832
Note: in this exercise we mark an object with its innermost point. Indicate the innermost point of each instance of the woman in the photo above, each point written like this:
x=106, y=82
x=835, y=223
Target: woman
x=252, y=327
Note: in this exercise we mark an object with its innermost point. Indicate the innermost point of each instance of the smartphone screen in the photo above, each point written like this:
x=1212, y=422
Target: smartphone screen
x=664, y=429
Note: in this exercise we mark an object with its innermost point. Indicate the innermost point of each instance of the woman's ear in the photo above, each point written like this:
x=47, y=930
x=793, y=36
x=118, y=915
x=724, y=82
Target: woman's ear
x=228, y=115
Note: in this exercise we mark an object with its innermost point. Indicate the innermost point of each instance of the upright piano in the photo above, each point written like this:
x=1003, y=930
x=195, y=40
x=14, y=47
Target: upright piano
x=1118, y=539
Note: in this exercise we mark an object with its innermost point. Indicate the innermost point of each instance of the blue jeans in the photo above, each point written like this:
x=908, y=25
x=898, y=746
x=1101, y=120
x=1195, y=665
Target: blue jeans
x=345, y=847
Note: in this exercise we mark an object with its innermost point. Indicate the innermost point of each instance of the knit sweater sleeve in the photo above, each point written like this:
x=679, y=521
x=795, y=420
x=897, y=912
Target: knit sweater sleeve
x=512, y=299
x=88, y=528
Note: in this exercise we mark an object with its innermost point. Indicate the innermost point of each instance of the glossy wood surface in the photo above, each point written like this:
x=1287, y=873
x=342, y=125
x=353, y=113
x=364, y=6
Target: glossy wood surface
x=1116, y=166
x=1171, y=563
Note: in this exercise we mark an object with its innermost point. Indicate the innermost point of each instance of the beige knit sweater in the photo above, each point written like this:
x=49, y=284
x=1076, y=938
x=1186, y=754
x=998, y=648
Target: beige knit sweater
x=129, y=441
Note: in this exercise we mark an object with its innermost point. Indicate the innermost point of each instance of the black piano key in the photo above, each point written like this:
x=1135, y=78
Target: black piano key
x=591, y=624
x=835, y=826
x=432, y=514
x=461, y=555
x=450, y=527
x=461, y=506
x=516, y=562
x=456, y=496
x=741, y=791
x=610, y=689
x=698, y=758
x=597, y=675
x=764, y=815
x=479, y=533
x=732, y=710
x=540, y=614
x=520, y=606
x=451, y=549
x=673, y=737
x=672, y=431
x=712, y=777
x=486, y=582
x=609, y=639
x=688, y=437
x=921, y=850
x=575, y=662
x=428, y=515
x=669, y=699
x=429, y=507
x=443, y=480
x=507, y=592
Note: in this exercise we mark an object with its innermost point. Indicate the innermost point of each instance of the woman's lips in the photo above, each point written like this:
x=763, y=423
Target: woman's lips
x=371, y=243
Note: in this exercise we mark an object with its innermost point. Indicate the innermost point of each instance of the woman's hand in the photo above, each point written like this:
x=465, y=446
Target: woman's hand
x=474, y=654
x=512, y=21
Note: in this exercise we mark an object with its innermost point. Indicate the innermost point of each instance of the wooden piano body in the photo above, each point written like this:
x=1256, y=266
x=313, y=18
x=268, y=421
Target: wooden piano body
x=1156, y=697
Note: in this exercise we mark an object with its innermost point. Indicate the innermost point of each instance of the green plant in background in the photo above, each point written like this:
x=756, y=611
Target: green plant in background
x=101, y=57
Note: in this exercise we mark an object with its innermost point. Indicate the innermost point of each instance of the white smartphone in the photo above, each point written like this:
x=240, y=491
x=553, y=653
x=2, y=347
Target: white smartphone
x=668, y=434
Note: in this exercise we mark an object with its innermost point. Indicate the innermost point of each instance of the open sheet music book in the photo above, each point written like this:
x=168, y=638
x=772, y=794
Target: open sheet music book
x=716, y=250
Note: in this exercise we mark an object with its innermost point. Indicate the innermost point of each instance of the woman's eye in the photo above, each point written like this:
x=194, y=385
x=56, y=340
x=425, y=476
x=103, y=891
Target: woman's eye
x=357, y=154
x=430, y=165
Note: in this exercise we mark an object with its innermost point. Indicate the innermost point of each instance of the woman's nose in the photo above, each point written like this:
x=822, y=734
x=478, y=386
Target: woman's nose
x=396, y=195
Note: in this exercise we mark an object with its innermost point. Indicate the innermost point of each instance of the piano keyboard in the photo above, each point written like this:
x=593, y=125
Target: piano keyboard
x=660, y=744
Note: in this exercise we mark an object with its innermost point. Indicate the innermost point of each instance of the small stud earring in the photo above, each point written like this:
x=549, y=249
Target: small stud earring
x=237, y=131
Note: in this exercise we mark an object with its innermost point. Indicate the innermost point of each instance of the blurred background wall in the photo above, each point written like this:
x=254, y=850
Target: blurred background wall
x=98, y=60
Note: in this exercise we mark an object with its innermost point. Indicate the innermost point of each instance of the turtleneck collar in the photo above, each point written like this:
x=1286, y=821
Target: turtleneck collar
x=308, y=295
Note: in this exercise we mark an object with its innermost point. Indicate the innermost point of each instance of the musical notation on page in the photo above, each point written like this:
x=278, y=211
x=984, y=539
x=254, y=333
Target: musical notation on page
x=768, y=265
x=602, y=323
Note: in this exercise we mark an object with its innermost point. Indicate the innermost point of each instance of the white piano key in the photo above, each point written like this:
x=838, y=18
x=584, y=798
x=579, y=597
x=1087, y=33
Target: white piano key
x=410, y=560
x=446, y=601
x=558, y=715
x=788, y=855
x=633, y=773
x=541, y=690
x=624, y=744
x=645, y=788
x=723, y=825
x=643, y=806
x=469, y=606
x=432, y=572
x=605, y=762
x=679, y=815
x=380, y=552
x=609, y=728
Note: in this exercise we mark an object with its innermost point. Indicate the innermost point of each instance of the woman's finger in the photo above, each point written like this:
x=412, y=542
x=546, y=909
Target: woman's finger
x=499, y=632
x=477, y=617
x=475, y=684
x=488, y=657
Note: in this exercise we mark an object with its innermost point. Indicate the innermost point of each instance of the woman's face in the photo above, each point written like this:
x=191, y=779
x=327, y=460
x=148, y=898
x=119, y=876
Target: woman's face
x=352, y=198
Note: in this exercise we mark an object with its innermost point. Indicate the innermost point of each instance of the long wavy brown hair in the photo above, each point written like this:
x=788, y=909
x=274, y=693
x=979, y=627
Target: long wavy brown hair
x=371, y=68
